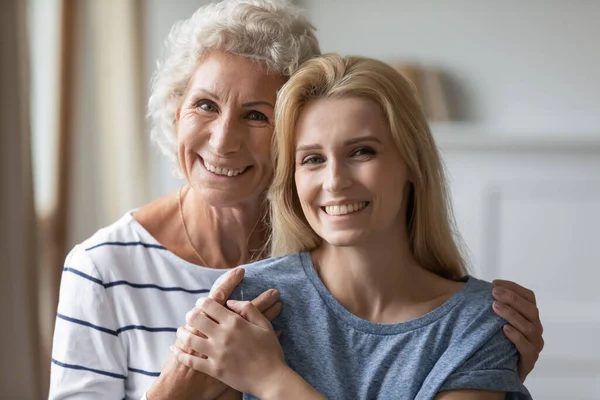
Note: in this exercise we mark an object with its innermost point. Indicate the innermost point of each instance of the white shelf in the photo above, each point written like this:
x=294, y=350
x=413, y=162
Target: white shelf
x=468, y=137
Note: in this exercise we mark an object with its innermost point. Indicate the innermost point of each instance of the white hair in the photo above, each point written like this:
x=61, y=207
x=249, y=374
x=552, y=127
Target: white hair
x=272, y=32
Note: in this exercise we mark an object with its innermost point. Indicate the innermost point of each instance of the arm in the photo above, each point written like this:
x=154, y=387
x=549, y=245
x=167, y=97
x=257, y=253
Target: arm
x=517, y=305
x=88, y=357
x=241, y=350
x=470, y=395
x=177, y=381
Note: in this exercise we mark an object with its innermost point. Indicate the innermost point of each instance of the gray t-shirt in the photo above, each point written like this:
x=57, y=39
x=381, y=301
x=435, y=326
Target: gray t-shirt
x=459, y=345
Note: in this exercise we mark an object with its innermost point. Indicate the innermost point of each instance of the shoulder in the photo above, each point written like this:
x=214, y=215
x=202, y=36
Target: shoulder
x=286, y=267
x=270, y=273
x=481, y=356
x=120, y=243
x=475, y=307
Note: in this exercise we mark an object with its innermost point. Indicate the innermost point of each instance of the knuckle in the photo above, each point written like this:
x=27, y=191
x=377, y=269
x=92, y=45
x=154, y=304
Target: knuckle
x=247, y=308
x=200, y=302
x=191, y=316
x=512, y=297
x=529, y=331
x=187, y=340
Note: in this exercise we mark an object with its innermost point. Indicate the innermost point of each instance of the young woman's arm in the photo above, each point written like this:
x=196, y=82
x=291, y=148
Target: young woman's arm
x=470, y=395
x=240, y=350
x=517, y=305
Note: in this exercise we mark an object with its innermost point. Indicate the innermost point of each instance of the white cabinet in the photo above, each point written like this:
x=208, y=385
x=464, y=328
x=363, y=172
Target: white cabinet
x=529, y=211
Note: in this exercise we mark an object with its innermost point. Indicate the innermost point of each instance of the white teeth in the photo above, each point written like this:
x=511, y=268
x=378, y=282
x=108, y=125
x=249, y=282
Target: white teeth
x=345, y=209
x=223, y=171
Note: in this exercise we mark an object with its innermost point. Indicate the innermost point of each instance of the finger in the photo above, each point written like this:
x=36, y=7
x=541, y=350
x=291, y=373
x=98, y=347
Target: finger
x=272, y=311
x=515, y=287
x=266, y=299
x=517, y=321
x=527, y=353
x=247, y=310
x=197, y=363
x=199, y=320
x=222, y=292
x=197, y=344
x=194, y=331
x=278, y=333
x=520, y=304
x=213, y=310
x=182, y=347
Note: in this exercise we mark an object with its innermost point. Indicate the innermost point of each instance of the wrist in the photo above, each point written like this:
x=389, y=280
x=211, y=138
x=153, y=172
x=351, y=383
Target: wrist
x=285, y=383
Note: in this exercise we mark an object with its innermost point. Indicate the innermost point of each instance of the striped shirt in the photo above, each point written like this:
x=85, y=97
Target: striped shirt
x=122, y=297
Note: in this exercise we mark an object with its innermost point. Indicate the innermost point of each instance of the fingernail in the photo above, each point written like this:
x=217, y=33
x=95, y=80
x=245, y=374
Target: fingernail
x=273, y=292
x=508, y=328
x=498, y=305
x=498, y=291
x=239, y=271
x=232, y=302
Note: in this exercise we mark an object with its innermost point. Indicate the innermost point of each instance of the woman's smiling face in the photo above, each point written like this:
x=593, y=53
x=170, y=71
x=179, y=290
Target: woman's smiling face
x=224, y=129
x=352, y=183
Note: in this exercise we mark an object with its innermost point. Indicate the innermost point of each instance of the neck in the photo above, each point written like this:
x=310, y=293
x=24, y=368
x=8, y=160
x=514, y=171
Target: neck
x=378, y=280
x=225, y=237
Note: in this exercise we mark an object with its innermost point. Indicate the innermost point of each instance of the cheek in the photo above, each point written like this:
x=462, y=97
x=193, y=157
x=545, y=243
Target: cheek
x=260, y=147
x=189, y=130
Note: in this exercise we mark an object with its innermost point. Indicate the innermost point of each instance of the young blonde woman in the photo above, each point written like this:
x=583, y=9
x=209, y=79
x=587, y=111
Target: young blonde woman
x=377, y=303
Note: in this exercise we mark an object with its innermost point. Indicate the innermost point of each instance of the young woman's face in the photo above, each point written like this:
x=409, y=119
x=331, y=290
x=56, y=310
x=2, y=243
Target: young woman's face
x=224, y=129
x=350, y=178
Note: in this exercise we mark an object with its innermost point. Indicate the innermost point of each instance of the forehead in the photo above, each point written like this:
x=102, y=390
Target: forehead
x=227, y=75
x=343, y=118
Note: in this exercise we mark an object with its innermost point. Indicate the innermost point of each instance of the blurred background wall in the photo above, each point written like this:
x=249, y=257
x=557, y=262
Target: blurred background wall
x=521, y=138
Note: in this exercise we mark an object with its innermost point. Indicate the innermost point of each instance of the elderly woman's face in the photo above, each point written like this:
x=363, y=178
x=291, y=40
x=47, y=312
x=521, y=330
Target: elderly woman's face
x=224, y=129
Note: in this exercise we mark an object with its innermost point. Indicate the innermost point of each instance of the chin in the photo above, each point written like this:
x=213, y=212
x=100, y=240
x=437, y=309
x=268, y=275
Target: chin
x=344, y=239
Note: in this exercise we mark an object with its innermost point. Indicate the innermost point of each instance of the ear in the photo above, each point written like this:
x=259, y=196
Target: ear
x=177, y=116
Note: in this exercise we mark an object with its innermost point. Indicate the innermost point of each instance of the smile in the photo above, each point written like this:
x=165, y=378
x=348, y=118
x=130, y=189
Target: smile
x=345, y=209
x=223, y=171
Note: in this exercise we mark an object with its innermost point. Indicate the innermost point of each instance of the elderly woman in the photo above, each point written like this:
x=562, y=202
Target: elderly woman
x=125, y=290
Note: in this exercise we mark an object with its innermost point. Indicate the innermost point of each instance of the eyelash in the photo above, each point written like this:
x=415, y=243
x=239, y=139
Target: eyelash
x=261, y=117
x=368, y=152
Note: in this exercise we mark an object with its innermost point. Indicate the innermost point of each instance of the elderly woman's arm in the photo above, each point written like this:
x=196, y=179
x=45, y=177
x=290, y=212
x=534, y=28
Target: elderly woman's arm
x=88, y=356
x=241, y=350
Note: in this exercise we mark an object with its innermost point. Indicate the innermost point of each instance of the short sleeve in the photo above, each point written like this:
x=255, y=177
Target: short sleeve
x=492, y=367
x=89, y=359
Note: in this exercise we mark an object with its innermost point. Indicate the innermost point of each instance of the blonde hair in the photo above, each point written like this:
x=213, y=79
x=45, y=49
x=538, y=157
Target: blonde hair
x=272, y=32
x=430, y=224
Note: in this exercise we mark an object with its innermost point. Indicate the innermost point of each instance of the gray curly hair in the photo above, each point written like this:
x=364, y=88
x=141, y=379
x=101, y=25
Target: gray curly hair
x=273, y=32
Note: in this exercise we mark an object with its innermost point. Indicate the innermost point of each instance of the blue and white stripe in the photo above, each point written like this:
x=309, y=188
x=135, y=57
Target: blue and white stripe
x=122, y=297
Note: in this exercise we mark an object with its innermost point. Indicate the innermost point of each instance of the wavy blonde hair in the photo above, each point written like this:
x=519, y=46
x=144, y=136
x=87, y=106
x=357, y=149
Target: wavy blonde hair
x=272, y=32
x=433, y=239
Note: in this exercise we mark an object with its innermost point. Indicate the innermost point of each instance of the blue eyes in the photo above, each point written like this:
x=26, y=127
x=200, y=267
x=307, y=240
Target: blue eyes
x=361, y=152
x=209, y=106
x=312, y=160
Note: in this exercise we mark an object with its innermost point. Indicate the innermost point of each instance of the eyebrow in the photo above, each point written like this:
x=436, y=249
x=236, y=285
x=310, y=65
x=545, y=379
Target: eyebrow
x=346, y=143
x=249, y=104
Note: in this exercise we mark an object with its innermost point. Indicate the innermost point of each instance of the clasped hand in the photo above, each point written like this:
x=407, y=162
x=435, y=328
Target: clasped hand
x=238, y=346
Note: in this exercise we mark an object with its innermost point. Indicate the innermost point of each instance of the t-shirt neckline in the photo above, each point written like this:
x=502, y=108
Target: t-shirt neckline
x=378, y=328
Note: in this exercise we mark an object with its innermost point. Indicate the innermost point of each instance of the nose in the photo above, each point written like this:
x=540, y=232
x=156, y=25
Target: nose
x=226, y=136
x=337, y=177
